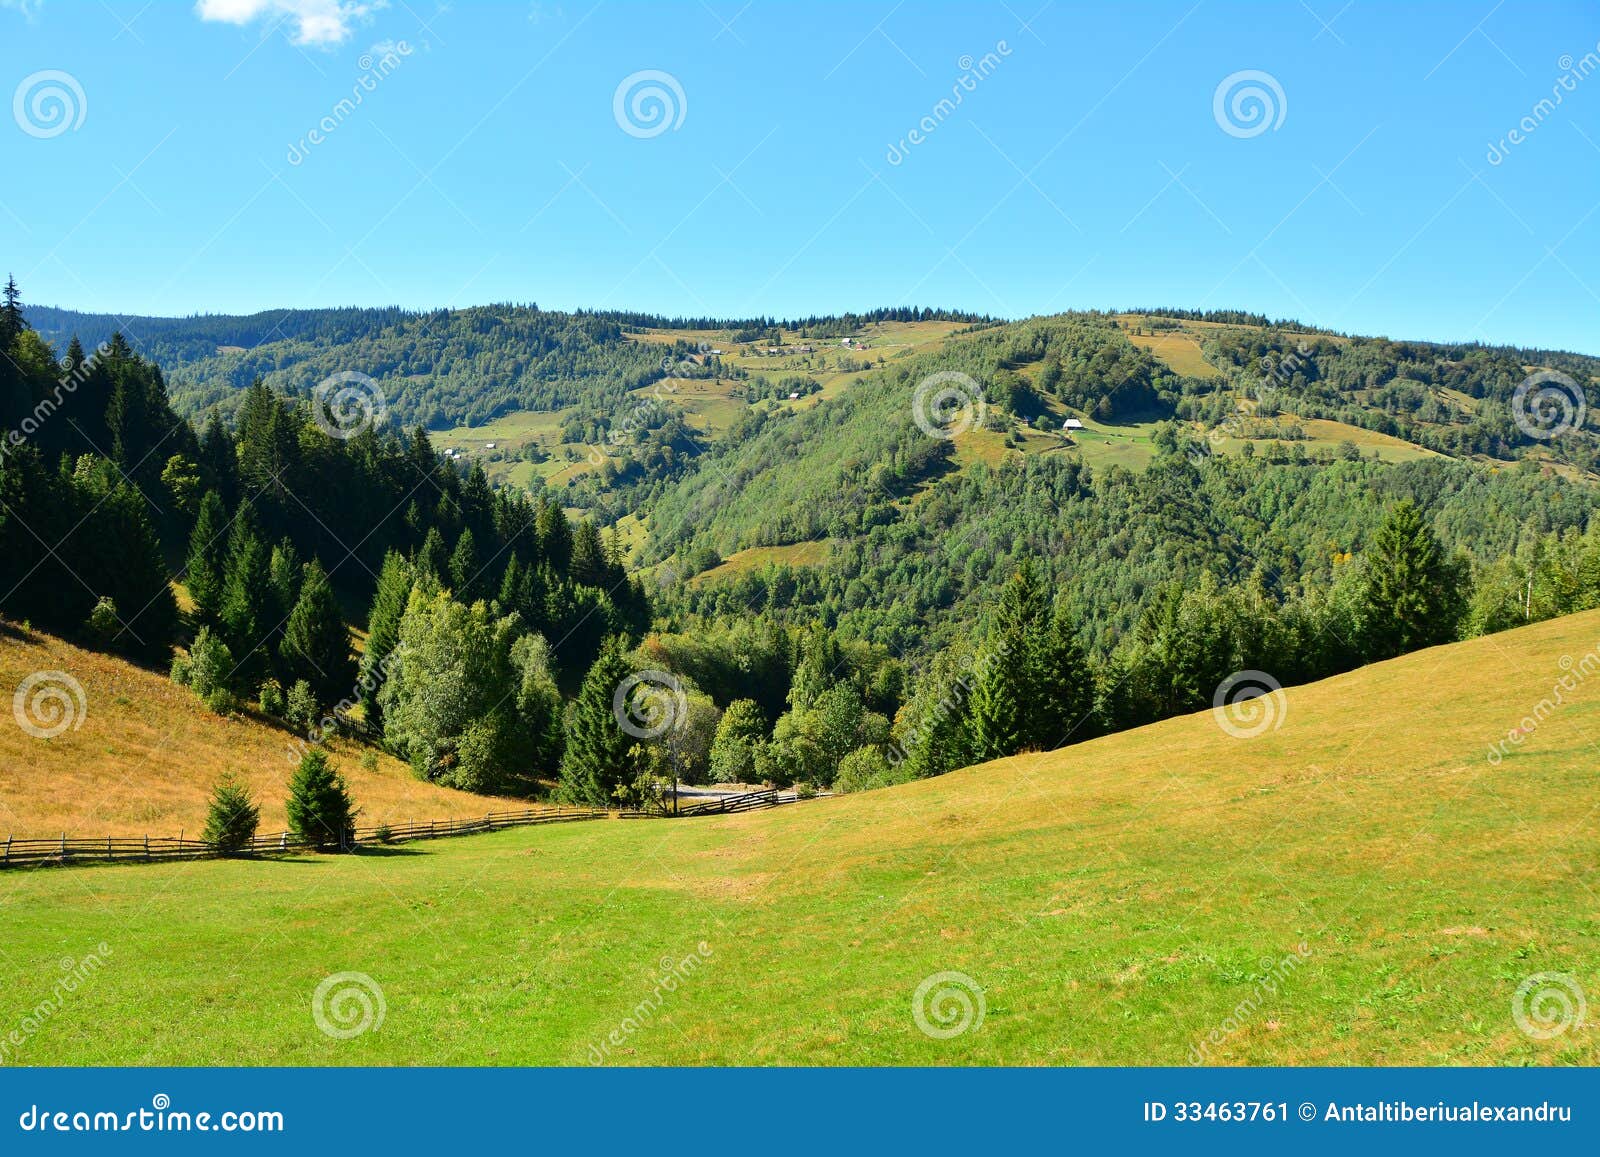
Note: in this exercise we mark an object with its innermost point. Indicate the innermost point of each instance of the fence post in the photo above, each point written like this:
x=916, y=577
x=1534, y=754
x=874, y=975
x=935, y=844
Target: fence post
x=7, y=860
x=63, y=847
x=147, y=845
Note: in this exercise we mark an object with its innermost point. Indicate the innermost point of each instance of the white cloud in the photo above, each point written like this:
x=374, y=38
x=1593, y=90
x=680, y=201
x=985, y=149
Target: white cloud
x=316, y=22
x=28, y=8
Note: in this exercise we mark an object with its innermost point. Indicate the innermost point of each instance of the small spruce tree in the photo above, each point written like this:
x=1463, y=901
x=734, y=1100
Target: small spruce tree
x=232, y=817
x=319, y=807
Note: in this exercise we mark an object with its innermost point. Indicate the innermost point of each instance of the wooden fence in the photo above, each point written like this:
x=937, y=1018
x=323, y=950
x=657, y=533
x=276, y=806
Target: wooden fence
x=16, y=853
x=728, y=804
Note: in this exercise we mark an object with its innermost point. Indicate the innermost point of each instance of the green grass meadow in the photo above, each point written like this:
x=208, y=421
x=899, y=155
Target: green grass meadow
x=1126, y=901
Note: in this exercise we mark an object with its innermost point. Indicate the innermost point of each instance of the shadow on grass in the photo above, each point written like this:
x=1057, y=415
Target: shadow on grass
x=389, y=850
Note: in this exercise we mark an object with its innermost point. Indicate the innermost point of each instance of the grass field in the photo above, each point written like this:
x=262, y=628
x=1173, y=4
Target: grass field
x=1329, y=434
x=1122, y=444
x=1124, y=901
x=757, y=557
x=146, y=752
x=1178, y=349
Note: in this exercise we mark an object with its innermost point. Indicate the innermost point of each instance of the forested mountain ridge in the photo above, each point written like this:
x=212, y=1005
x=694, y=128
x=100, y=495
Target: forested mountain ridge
x=819, y=533
x=439, y=368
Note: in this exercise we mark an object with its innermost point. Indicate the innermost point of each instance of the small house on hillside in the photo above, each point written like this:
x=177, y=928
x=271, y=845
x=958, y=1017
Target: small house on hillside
x=1072, y=424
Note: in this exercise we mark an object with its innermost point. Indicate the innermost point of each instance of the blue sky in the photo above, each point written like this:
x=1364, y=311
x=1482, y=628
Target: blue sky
x=1088, y=165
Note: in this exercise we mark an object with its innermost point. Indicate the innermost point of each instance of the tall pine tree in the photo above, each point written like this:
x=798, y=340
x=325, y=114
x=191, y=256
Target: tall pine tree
x=249, y=604
x=597, y=759
x=316, y=645
x=1413, y=596
x=383, y=629
x=207, y=568
x=1061, y=709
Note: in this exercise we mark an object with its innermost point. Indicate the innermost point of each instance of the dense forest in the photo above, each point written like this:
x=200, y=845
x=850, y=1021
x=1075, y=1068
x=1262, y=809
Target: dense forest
x=960, y=614
x=439, y=369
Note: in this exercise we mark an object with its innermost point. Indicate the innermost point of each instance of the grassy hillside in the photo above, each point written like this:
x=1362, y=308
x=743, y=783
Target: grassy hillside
x=1116, y=902
x=146, y=753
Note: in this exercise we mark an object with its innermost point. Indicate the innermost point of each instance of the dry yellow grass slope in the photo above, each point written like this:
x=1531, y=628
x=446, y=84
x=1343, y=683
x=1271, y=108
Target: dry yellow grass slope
x=142, y=759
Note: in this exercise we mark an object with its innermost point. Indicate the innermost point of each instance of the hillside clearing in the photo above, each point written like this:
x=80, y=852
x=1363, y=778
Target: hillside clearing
x=756, y=557
x=146, y=753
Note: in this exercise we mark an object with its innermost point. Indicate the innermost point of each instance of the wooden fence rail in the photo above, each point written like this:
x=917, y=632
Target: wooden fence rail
x=35, y=853
x=15, y=853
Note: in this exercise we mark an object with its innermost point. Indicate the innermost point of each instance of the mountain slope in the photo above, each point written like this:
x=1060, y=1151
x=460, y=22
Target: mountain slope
x=1360, y=884
x=145, y=752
